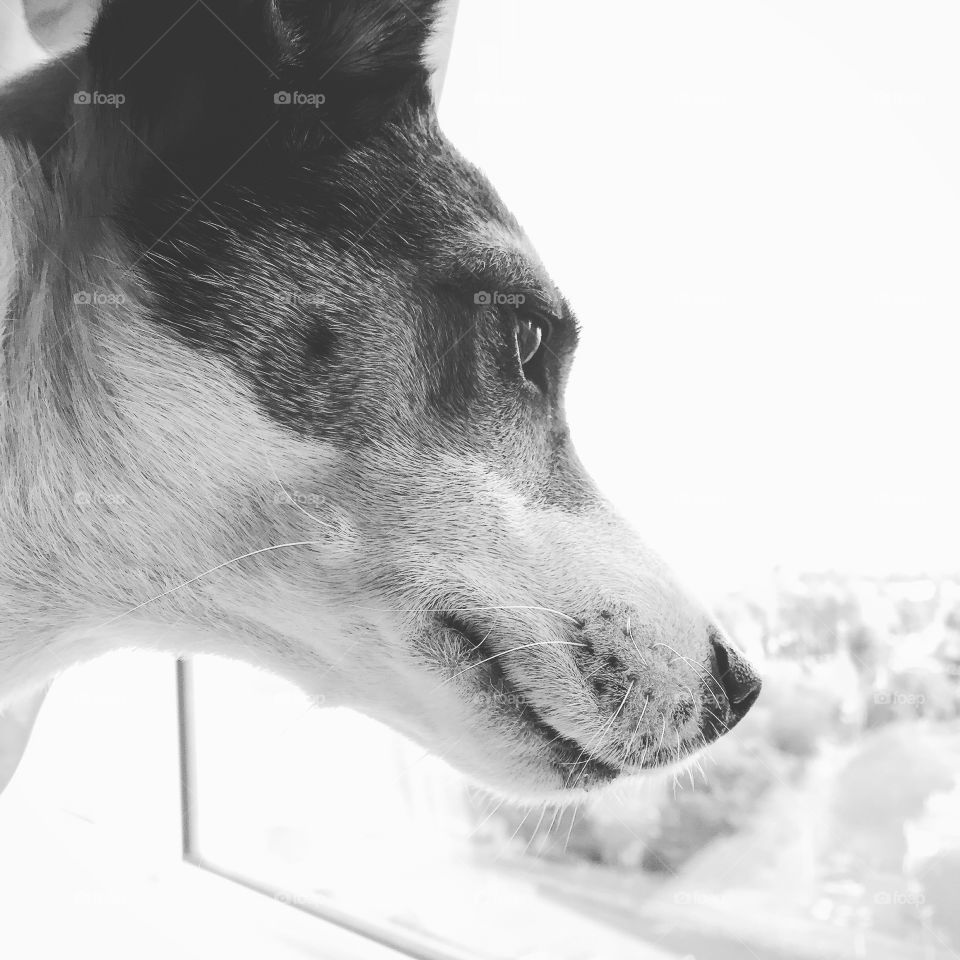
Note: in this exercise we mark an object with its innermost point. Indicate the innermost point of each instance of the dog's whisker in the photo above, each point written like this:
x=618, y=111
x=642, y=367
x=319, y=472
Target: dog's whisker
x=597, y=737
x=699, y=765
x=573, y=817
x=480, y=609
x=487, y=817
x=206, y=573
x=590, y=674
x=503, y=653
x=604, y=728
x=533, y=836
x=643, y=713
x=553, y=821
x=722, y=725
x=699, y=667
x=513, y=835
x=290, y=498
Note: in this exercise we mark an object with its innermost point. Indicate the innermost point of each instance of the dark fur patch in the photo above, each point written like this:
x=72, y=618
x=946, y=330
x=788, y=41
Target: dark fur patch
x=331, y=254
x=201, y=83
x=35, y=109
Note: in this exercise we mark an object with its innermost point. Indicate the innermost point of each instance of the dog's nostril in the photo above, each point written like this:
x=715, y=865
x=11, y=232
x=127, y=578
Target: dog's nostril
x=737, y=678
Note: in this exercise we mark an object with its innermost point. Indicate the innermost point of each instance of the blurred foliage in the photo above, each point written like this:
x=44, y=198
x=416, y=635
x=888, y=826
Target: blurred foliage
x=798, y=709
x=718, y=805
x=941, y=879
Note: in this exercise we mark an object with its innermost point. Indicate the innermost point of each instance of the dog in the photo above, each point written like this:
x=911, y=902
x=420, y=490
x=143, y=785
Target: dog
x=282, y=380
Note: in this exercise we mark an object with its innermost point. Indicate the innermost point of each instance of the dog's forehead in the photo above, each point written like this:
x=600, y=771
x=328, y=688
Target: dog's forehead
x=428, y=194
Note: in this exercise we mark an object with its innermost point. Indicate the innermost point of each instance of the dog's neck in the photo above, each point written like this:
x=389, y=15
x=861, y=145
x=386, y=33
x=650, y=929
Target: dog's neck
x=129, y=464
x=113, y=509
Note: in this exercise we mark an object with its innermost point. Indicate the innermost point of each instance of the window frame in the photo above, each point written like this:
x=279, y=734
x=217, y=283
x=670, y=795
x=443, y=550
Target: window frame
x=397, y=941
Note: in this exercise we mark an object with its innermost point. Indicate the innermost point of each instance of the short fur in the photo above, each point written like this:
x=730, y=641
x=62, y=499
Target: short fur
x=251, y=403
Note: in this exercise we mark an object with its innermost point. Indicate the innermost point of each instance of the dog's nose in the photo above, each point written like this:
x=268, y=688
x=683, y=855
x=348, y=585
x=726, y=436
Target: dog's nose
x=737, y=678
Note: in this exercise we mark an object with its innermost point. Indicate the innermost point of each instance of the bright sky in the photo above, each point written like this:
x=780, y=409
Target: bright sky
x=754, y=209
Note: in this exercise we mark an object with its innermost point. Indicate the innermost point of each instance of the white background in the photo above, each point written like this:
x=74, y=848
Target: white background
x=753, y=208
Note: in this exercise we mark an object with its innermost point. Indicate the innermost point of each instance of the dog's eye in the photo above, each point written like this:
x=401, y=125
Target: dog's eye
x=531, y=332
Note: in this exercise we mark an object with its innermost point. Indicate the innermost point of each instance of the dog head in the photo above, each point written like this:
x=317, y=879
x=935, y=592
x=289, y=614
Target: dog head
x=368, y=363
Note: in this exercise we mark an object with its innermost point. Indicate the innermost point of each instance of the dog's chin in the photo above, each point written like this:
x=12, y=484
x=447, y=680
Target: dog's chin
x=523, y=755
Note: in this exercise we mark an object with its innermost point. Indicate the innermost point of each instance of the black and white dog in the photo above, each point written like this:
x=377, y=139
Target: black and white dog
x=282, y=379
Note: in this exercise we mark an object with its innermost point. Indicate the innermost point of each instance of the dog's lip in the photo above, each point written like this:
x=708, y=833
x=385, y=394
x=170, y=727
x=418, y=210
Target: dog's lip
x=579, y=767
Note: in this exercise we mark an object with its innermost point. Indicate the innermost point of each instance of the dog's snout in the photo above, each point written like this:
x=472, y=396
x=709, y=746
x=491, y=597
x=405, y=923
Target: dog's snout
x=734, y=674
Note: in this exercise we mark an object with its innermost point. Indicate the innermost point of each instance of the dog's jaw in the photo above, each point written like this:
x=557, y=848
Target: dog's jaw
x=482, y=681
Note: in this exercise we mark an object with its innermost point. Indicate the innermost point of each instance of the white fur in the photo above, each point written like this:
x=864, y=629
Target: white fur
x=146, y=499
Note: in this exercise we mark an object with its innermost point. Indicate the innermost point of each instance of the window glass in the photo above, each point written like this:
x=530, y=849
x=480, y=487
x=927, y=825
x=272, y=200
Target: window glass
x=751, y=208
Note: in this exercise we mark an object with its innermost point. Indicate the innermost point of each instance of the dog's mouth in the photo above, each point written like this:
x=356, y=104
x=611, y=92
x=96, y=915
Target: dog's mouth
x=482, y=668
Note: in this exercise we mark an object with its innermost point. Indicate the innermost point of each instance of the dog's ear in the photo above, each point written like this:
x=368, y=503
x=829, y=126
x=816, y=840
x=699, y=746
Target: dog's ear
x=379, y=41
x=213, y=76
